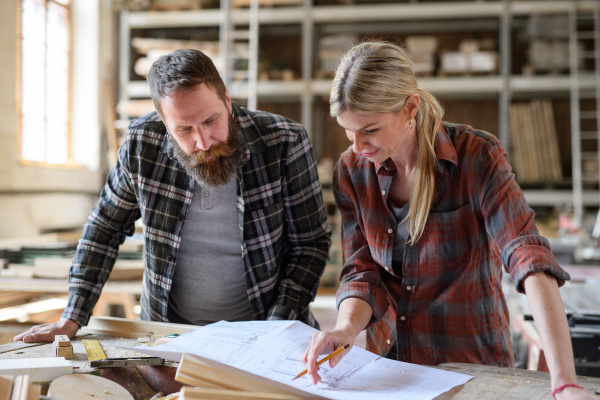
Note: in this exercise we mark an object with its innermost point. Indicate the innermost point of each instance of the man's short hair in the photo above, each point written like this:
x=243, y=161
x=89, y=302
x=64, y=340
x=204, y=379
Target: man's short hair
x=183, y=70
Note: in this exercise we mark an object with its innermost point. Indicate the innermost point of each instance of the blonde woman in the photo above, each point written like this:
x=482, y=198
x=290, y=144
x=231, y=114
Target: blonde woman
x=430, y=213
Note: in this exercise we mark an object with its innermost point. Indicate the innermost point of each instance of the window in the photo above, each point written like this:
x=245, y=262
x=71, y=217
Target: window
x=44, y=82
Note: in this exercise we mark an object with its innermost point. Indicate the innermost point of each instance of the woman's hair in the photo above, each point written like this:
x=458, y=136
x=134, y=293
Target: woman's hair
x=378, y=77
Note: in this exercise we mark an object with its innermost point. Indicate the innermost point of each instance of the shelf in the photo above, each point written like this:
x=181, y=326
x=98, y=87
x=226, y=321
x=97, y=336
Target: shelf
x=460, y=86
x=552, y=198
x=354, y=13
x=549, y=83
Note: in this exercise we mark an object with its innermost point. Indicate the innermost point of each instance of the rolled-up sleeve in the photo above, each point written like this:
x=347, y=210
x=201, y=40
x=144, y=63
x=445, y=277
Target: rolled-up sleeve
x=510, y=221
x=360, y=276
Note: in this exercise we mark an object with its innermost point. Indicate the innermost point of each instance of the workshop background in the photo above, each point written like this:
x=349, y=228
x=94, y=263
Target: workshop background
x=72, y=76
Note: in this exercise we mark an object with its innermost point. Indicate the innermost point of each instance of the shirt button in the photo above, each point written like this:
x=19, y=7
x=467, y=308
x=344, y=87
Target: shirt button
x=206, y=194
x=386, y=268
x=383, y=192
x=390, y=230
x=408, y=288
x=389, y=341
x=170, y=258
x=402, y=318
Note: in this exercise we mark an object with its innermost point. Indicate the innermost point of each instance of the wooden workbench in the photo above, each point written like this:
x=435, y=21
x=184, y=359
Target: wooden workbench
x=143, y=382
x=490, y=383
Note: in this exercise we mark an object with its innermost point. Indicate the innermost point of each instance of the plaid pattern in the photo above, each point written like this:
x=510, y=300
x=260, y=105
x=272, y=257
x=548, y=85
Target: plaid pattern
x=449, y=305
x=283, y=225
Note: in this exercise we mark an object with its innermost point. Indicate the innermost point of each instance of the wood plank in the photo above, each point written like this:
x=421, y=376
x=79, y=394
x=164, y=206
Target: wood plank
x=553, y=140
x=516, y=143
x=58, y=268
x=134, y=328
x=188, y=393
x=61, y=286
x=541, y=142
x=24, y=390
x=87, y=387
x=40, y=369
x=205, y=373
x=10, y=347
x=6, y=385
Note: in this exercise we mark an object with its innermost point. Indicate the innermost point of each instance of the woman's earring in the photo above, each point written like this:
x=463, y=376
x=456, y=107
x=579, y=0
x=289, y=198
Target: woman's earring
x=410, y=123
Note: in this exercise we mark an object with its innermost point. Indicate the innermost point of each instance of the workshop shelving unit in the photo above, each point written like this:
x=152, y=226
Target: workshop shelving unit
x=312, y=20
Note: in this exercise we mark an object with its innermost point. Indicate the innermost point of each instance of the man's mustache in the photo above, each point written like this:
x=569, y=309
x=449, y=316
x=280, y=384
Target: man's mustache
x=222, y=149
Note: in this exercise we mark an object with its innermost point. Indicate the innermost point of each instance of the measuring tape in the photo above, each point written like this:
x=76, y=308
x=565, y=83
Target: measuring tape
x=93, y=349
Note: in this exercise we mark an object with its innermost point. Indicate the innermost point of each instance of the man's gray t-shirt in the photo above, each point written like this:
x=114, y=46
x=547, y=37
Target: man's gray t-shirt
x=209, y=283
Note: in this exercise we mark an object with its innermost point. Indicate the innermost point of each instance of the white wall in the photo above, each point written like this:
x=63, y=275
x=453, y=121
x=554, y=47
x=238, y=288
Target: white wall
x=32, y=197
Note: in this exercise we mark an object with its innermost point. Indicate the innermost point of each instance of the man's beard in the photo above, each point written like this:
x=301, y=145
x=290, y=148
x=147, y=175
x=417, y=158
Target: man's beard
x=218, y=169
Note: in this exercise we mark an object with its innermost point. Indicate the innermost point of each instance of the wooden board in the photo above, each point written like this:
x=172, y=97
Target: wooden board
x=14, y=346
x=23, y=390
x=58, y=268
x=188, y=393
x=134, y=328
x=40, y=369
x=6, y=385
x=87, y=387
x=208, y=374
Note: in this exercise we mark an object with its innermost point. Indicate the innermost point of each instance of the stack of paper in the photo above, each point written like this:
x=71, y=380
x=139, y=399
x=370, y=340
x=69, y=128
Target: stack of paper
x=273, y=349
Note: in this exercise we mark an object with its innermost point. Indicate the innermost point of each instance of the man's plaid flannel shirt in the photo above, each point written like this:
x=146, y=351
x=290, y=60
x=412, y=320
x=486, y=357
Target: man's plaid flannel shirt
x=448, y=306
x=283, y=225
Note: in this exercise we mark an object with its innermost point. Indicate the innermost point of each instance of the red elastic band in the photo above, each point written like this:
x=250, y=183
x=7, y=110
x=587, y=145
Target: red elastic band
x=560, y=388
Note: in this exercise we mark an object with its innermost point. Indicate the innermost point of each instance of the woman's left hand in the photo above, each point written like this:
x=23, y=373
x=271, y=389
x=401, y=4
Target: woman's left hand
x=573, y=393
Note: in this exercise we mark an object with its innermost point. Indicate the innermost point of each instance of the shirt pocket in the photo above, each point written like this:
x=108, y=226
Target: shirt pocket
x=447, y=243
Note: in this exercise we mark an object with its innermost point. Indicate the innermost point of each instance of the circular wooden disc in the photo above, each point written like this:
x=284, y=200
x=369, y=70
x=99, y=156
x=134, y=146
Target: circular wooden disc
x=87, y=387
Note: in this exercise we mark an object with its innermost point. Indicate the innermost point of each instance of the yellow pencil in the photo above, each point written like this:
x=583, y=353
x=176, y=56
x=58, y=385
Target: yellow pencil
x=329, y=357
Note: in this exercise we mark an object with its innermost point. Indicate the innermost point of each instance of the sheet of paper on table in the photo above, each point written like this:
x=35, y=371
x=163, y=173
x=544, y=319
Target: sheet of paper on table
x=273, y=349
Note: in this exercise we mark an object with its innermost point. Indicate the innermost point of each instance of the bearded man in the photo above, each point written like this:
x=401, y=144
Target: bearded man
x=230, y=203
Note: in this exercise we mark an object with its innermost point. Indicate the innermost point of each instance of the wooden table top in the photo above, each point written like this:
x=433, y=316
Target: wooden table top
x=490, y=383
x=494, y=383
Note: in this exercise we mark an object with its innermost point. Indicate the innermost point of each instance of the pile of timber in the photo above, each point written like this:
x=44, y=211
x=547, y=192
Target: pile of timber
x=535, y=155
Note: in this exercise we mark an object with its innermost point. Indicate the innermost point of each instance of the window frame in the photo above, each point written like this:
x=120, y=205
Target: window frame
x=70, y=163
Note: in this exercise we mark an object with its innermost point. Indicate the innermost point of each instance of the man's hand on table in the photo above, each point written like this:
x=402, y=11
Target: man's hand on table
x=46, y=332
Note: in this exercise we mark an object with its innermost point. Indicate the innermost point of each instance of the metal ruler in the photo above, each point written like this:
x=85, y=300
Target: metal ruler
x=93, y=349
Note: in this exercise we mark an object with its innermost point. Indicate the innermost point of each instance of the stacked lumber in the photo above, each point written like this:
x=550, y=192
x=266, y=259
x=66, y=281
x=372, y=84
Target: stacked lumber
x=18, y=388
x=536, y=156
x=215, y=383
x=155, y=48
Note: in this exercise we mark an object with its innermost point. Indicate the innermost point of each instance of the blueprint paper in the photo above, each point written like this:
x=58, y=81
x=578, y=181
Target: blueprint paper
x=273, y=349
x=226, y=342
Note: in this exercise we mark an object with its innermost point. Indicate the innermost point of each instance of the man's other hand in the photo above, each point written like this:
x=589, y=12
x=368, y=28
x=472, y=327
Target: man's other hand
x=46, y=332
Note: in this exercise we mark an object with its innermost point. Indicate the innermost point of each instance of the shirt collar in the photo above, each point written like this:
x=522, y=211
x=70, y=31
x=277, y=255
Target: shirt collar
x=444, y=150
